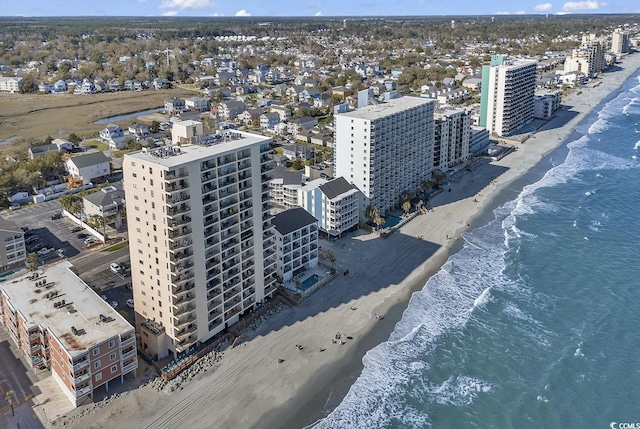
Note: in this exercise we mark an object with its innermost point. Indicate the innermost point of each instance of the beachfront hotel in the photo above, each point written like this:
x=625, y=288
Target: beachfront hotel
x=619, y=41
x=506, y=102
x=451, y=137
x=60, y=324
x=385, y=149
x=200, y=236
x=588, y=58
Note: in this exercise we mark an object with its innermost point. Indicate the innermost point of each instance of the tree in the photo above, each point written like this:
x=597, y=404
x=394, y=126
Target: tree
x=73, y=138
x=406, y=206
x=9, y=397
x=378, y=220
x=32, y=261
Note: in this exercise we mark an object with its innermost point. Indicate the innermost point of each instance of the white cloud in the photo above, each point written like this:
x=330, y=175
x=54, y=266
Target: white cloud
x=502, y=12
x=242, y=12
x=583, y=5
x=520, y=12
x=542, y=7
x=170, y=13
x=318, y=13
x=184, y=4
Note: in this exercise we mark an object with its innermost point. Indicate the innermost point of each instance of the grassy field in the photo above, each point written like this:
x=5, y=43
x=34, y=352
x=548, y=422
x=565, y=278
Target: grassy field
x=57, y=115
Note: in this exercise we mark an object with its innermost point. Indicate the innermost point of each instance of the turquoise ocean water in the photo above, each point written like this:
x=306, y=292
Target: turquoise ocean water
x=535, y=323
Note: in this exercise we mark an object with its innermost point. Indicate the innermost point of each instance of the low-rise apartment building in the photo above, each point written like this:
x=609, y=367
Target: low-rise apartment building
x=60, y=324
x=12, y=250
x=297, y=242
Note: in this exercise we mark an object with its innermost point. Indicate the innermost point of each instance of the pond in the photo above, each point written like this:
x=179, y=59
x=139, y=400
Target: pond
x=129, y=115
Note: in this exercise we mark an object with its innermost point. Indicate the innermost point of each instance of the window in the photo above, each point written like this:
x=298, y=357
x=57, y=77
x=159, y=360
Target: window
x=97, y=364
x=99, y=376
x=96, y=351
x=112, y=357
x=114, y=368
x=112, y=344
x=135, y=175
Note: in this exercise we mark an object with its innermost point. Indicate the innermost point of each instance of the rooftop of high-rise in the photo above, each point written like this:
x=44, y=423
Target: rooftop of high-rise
x=207, y=146
x=383, y=109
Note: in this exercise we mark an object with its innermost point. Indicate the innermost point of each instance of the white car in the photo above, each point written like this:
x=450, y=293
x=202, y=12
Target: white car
x=89, y=240
x=114, y=304
x=115, y=268
x=130, y=303
x=45, y=251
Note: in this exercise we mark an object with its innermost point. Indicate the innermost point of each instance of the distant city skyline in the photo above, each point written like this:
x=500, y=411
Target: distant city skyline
x=292, y=8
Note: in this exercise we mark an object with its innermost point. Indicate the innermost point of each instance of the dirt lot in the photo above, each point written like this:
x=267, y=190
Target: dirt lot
x=40, y=115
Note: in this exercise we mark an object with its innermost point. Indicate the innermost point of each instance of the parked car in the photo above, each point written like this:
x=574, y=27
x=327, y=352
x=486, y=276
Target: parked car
x=130, y=303
x=14, y=206
x=45, y=251
x=56, y=216
x=35, y=247
x=82, y=236
x=115, y=268
x=89, y=240
x=24, y=228
x=31, y=239
x=76, y=229
x=114, y=304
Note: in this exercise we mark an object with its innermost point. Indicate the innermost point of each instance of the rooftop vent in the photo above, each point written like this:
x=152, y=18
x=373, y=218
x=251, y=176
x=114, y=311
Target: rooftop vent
x=78, y=332
x=59, y=304
x=106, y=319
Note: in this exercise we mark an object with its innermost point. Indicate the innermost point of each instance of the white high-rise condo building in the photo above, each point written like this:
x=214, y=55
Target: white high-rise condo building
x=385, y=149
x=506, y=102
x=619, y=41
x=200, y=236
x=451, y=137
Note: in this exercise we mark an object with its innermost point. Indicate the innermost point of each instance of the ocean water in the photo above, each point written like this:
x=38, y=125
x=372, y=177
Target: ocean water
x=535, y=323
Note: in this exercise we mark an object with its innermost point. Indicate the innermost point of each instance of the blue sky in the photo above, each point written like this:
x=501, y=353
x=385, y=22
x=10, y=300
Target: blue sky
x=309, y=7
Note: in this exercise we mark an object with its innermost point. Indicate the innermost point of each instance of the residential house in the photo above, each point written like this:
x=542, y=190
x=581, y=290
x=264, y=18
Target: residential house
x=88, y=167
x=112, y=131
x=294, y=151
x=114, y=85
x=283, y=111
x=161, y=83
x=10, y=84
x=325, y=100
x=251, y=116
x=139, y=130
x=12, y=248
x=269, y=120
x=60, y=86
x=198, y=104
x=63, y=145
x=107, y=204
x=304, y=123
x=280, y=90
x=230, y=110
x=175, y=105
x=283, y=188
x=41, y=150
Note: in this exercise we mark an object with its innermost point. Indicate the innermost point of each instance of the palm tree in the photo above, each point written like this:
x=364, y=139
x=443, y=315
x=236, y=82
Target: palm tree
x=9, y=397
x=406, y=206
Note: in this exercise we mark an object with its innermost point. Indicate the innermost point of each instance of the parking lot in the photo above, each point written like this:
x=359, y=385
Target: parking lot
x=52, y=233
x=91, y=266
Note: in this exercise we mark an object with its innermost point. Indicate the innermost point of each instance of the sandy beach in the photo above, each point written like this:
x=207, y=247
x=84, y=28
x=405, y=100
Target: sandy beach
x=249, y=388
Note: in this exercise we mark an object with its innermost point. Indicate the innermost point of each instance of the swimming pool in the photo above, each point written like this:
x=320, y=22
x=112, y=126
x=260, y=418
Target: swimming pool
x=391, y=221
x=308, y=282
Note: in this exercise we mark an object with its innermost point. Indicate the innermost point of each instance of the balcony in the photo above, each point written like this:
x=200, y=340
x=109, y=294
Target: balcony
x=79, y=365
x=181, y=232
x=178, y=256
x=129, y=365
x=131, y=351
x=184, y=309
x=125, y=341
x=179, y=244
x=82, y=377
x=184, y=334
x=181, y=323
x=83, y=391
x=178, y=198
x=182, y=208
x=176, y=186
x=182, y=279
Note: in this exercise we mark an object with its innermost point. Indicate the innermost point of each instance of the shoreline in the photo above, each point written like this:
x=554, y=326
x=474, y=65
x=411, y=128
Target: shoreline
x=315, y=409
x=248, y=388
